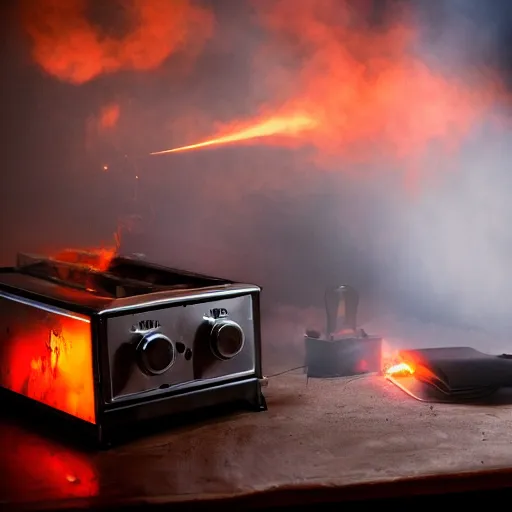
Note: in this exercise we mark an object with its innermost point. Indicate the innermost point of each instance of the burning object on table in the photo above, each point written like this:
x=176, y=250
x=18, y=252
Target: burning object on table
x=451, y=374
x=111, y=345
x=345, y=349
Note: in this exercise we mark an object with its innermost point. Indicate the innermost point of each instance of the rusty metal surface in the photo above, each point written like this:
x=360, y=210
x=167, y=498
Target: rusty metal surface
x=329, y=433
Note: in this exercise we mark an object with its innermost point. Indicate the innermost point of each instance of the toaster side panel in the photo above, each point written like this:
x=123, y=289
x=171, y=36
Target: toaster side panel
x=46, y=355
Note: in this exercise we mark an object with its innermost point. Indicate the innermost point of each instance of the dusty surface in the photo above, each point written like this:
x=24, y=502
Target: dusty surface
x=330, y=433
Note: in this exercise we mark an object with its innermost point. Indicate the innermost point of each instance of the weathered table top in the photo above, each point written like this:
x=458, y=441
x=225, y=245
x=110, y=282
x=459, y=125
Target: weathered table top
x=323, y=435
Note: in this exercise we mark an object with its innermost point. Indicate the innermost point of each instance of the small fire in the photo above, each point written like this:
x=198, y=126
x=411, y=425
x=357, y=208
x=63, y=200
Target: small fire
x=288, y=126
x=95, y=259
x=399, y=370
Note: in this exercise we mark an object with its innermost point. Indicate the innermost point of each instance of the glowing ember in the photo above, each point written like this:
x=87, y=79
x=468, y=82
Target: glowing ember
x=289, y=126
x=400, y=370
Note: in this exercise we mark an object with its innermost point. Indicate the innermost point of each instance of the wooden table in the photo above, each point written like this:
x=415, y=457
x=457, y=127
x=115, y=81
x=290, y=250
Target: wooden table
x=325, y=439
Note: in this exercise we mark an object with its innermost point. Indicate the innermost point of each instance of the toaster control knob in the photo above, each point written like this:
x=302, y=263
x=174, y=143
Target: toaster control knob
x=227, y=339
x=156, y=353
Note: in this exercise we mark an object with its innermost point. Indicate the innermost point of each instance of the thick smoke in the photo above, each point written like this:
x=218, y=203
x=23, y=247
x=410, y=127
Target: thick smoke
x=452, y=265
x=401, y=191
x=424, y=92
x=356, y=72
x=77, y=40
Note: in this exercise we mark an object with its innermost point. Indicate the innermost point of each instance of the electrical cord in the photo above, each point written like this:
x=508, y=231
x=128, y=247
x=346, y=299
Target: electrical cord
x=286, y=371
x=345, y=381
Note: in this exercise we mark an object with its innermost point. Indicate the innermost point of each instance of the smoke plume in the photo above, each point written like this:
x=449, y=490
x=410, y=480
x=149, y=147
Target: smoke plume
x=358, y=73
x=355, y=79
x=399, y=91
x=78, y=40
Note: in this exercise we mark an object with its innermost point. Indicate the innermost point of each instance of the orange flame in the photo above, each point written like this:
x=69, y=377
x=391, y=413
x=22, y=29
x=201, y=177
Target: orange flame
x=290, y=126
x=96, y=259
x=400, y=370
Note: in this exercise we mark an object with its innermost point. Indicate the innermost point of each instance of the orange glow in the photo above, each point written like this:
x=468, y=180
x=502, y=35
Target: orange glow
x=69, y=45
x=100, y=128
x=290, y=126
x=400, y=370
x=370, y=94
x=96, y=259
x=70, y=474
x=109, y=116
x=362, y=366
x=360, y=92
x=43, y=464
x=48, y=357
